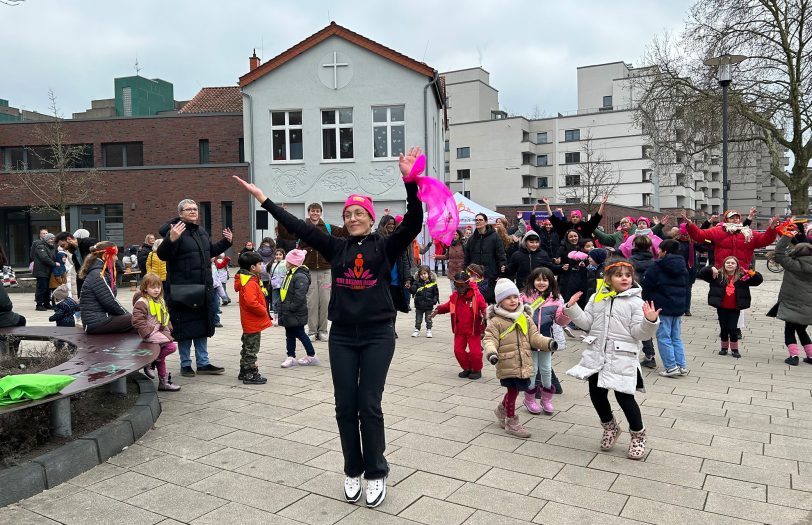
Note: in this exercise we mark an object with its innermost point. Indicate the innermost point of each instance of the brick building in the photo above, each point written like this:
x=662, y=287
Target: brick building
x=144, y=165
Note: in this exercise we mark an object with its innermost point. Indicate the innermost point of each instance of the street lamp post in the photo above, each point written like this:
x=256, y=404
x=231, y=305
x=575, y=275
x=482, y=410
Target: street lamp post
x=724, y=64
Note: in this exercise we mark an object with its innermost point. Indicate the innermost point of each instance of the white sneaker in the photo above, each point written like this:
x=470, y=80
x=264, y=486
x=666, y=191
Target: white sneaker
x=568, y=331
x=313, y=336
x=376, y=492
x=352, y=489
x=416, y=333
x=684, y=371
x=428, y=334
x=670, y=372
x=323, y=336
x=309, y=360
x=289, y=362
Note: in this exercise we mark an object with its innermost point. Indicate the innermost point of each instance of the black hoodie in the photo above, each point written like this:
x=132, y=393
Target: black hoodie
x=360, y=266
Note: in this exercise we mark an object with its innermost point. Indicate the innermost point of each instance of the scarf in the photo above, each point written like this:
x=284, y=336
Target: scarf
x=158, y=310
x=603, y=292
x=518, y=318
x=733, y=229
x=730, y=289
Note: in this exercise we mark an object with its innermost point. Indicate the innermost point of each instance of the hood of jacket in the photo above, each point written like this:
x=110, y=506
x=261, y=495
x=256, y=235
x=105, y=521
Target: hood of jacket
x=432, y=277
x=642, y=256
x=528, y=235
x=489, y=230
x=672, y=264
x=242, y=277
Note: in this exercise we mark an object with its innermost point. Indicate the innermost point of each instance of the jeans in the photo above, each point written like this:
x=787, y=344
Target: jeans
x=292, y=333
x=543, y=362
x=276, y=298
x=201, y=351
x=419, y=315
x=669, y=341
x=600, y=400
x=360, y=355
x=41, y=295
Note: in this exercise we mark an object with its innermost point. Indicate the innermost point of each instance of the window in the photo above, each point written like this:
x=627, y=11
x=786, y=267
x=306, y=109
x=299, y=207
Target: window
x=572, y=200
x=12, y=158
x=572, y=158
x=447, y=167
x=286, y=136
x=39, y=158
x=84, y=158
x=646, y=199
x=388, y=131
x=446, y=146
x=241, y=149
x=466, y=194
x=204, y=209
x=336, y=134
x=541, y=138
x=572, y=180
x=463, y=174
x=607, y=101
x=122, y=154
x=464, y=153
x=646, y=175
x=203, y=150
x=527, y=159
x=571, y=135
x=541, y=160
x=226, y=211
x=542, y=182
x=525, y=136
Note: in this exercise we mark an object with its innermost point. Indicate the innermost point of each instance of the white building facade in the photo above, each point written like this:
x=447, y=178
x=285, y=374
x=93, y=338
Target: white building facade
x=499, y=160
x=330, y=116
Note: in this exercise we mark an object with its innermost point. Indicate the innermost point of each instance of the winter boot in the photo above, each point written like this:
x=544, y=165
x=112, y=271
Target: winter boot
x=611, y=431
x=637, y=445
x=808, y=350
x=242, y=373
x=253, y=377
x=165, y=384
x=793, y=354
x=530, y=402
x=499, y=412
x=556, y=383
x=514, y=427
x=547, y=400
x=148, y=371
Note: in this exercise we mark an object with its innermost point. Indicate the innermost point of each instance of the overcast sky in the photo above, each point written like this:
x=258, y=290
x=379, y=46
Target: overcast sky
x=531, y=48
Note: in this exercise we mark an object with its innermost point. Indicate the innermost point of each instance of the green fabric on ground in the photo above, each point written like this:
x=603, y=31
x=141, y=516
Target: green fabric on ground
x=25, y=387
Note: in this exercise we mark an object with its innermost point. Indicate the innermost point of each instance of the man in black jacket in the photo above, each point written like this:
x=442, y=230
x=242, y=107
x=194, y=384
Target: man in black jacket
x=43, y=255
x=485, y=248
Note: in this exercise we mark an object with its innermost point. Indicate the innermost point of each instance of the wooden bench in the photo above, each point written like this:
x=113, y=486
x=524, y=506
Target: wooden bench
x=104, y=359
x=132, y=276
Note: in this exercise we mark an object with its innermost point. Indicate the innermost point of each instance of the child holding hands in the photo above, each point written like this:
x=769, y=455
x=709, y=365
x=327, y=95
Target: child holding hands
x=617, y=320
x=510, y=337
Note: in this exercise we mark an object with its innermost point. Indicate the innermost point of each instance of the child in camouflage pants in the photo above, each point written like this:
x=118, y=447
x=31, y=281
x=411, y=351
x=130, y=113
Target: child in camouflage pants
x=253, y=315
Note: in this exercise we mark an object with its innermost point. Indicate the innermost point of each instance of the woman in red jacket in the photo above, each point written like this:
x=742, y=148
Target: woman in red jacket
x=732, y=238
x=467, y=308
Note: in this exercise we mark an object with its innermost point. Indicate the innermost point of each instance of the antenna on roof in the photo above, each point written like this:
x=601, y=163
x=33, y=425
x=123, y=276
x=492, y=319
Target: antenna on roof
x=137, y=68
x=426, y=51
x=329, y=19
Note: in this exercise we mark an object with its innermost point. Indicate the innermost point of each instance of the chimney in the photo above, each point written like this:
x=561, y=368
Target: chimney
x=253, y=61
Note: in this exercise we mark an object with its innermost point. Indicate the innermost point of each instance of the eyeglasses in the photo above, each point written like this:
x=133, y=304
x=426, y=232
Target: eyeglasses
x=358, y=214
x=190, y=210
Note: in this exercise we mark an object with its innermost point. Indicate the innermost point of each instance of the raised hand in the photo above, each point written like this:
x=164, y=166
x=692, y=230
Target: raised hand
x=666, y=219
x=715, y=272
x=177, y=230
x=253, y=189
x=605, y=198
x=655, y=220
x=405, y=163
x=545, y=200
x=684, y=215
x=227, y=234
x=649, y=312
x=536, y=205
x=714, y=218
x=574, y=298
x=774, y=222
x=753, y=212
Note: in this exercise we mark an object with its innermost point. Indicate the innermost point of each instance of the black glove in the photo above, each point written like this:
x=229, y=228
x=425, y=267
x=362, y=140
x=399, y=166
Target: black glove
x=553, y=345
x=493, y=359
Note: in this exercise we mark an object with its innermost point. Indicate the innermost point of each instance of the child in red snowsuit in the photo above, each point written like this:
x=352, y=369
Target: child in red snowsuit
x=467, y=308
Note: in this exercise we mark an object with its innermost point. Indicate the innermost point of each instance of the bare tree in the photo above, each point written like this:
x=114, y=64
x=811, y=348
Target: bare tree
x=11, y=3
x=591, y=178
x=54, y=176
x=771, y=94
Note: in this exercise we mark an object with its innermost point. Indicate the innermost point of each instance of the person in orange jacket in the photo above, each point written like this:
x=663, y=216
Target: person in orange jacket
x=467, y=308
x=254, y=315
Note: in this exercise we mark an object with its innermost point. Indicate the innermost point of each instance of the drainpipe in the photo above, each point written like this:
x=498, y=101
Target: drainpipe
x=425, y=114
x=251, y=206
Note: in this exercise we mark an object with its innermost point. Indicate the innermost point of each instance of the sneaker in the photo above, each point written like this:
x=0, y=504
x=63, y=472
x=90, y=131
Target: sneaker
x=684, y=371
x=428, y=334
x=670, y=372
x=688, y=313
x=735, y=354
x=723, y=351
x=313, y=336
x=187, y=371
x=464, y=374
x=309, y=360
x=808, y=360
x=289, y=362
x=150, y=374
x=649, y=362
x=416, y=333
x=210, y=369
x=352, y=489
x=793, y=360
x=376, y=492
x=323, y=336
x=474, y=375
x=253, y=377
x=568, y=331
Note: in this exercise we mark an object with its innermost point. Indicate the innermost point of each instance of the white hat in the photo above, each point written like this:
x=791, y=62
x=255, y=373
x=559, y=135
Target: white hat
x=504, y=289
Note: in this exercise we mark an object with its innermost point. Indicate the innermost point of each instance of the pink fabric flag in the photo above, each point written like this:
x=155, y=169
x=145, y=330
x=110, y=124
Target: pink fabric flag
x=443, y=217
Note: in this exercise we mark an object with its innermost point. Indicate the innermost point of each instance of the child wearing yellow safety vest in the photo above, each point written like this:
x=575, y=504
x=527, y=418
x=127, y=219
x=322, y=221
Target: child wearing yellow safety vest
x=426, y=295
x=293, y=309
x=151, y=319
x=510, y=338
x=254, y=316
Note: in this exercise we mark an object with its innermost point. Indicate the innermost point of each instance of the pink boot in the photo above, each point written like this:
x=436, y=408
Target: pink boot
x=530, y=402
x=808, y=350
x=148, y=371
x=164, y=385
x=547, y=400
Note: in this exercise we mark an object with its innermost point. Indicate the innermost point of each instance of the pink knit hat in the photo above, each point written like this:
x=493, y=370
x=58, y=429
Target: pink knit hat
x=644, y=219
x=576, y=212
x=398, y=219
x=362, y=201
x=295, y=257
x=683, y=229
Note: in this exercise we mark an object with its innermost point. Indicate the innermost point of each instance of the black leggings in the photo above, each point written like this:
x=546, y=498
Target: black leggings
x=600, y=400
x=728, y=322
x=790, y=329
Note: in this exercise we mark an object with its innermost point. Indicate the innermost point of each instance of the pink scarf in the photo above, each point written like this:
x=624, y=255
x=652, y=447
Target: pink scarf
x=442, y=214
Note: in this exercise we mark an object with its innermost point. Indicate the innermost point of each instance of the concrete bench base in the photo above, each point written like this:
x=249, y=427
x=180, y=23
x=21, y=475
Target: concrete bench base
x=74, y=458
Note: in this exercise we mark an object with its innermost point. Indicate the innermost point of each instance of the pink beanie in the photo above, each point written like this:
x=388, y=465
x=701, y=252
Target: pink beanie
x=398, y=219
x=683, y=229
x=362, y=201
x=576, y=212
x=295, y=257
x=644, y=219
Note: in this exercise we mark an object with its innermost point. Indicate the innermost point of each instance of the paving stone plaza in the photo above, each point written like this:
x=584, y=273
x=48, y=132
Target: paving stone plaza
x=730, y=443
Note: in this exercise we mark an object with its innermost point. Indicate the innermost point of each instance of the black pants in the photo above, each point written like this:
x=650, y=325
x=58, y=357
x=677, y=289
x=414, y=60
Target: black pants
x=440, y=263
x=600, y=400
x=728, y=322
x=419, y=315
x=41, y=294
x=360, y=355
x=790, y=329
x=115, y=324
x=648, y=348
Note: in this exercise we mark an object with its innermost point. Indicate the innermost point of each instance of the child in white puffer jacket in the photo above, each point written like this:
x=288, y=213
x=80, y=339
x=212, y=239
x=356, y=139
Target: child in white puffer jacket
x=618, y=320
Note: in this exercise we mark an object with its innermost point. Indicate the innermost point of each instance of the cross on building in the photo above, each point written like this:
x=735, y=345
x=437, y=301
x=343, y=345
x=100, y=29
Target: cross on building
x=335, y=65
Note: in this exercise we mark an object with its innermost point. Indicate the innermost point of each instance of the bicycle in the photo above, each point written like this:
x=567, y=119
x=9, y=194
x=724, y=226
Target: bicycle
x=772, y=264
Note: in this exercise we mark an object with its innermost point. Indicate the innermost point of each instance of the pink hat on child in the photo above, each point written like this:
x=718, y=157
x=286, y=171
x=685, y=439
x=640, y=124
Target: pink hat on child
x=362, y=201
x=295, y=257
